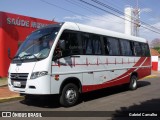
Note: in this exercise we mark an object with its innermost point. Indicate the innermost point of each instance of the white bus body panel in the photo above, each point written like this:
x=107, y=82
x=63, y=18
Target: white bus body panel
x=41, y=84
x=97, y=70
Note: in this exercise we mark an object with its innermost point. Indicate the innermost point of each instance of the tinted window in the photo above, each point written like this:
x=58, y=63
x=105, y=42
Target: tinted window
x=137, y=49
x=145, y=49
x=86, y=43
x=91, y=44
x=126, y=48
x=96, y=44
x=68, y=44
x=106, y=46
x=112, y=46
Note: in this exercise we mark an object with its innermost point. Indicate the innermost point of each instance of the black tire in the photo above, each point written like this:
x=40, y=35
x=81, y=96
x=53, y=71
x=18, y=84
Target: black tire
x=133, y=82
x=69, y=95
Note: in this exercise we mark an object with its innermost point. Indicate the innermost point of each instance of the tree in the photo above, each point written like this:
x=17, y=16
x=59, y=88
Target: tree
x=155, y=44
x=157, y=48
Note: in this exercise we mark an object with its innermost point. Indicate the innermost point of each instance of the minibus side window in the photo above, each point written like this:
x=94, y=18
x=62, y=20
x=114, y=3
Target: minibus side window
x=137, y=49
x=106, y=46
x=91, y=44
x=145, y=49
x=97, y=45
x=126, y=48
x=87, y=44
x=68, y=44
x=112, y=46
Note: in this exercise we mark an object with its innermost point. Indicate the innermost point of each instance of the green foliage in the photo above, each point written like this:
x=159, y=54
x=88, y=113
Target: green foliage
x=157, y=48
x=3, y=78
x=3, y=81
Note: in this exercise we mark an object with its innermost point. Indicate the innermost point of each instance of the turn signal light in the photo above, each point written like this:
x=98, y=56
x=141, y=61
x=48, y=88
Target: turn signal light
x=56, y=77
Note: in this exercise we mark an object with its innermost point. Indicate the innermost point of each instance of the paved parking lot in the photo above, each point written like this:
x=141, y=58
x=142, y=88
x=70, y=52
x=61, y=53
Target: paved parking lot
x=115, y=99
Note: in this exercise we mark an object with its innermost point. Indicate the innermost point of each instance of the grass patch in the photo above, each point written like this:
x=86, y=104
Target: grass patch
x=3, y=81
x=3, y=78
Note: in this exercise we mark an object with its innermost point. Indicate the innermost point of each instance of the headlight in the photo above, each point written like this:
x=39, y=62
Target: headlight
x=8, y=75
x=35, y=75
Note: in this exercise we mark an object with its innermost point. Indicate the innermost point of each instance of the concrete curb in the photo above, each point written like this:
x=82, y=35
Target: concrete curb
x=5, y=85
x=150, y=76
x=8, y=99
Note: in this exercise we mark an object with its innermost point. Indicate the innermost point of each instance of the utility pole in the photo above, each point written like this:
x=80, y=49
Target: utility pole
x=136, y=20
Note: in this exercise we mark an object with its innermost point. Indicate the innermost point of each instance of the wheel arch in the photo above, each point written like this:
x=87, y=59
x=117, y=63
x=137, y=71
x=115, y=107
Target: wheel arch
x=134, y=73
x=73, y=80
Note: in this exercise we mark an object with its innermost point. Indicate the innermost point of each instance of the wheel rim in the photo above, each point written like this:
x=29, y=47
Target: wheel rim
x=134, y=82
x=70, y=95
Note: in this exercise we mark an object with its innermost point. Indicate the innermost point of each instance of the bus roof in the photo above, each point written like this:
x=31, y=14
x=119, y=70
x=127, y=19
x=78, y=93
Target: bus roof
x=100, y=31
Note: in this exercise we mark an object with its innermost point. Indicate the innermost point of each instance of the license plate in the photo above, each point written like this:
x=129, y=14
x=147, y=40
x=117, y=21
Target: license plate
x=17, y=84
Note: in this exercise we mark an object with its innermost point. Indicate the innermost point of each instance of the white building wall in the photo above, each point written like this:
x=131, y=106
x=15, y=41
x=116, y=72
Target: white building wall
x=128, y=19
x=155, y=63
x=154, y=58
x=159, y=64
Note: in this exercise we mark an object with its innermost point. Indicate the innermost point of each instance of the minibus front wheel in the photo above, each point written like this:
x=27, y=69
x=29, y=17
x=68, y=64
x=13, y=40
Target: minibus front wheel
x=69, y=95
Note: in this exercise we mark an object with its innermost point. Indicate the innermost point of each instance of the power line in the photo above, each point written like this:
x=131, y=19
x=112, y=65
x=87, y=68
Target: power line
x=89, y=9
x=116, y=15
x=115, y=5
x=67, y=9
x=122, y=13
x=141, y=6
x=60, y=7
x=91, y=18
x=74, y=2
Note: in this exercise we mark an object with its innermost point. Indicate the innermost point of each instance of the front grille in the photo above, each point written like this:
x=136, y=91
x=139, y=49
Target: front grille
x=20, y=78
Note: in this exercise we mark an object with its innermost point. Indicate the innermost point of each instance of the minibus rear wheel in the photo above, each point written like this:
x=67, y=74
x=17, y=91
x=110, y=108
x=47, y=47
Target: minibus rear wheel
x=133, y=82
x=69, y=95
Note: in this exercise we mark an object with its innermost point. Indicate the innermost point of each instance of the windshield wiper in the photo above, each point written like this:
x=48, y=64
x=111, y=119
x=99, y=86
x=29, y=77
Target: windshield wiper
x=17, y=57
x=31, y=55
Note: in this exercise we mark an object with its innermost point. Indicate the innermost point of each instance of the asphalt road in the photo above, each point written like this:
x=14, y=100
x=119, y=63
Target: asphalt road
x=115, y=99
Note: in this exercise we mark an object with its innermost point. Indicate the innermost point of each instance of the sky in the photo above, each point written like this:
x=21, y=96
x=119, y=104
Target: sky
x=77, y=11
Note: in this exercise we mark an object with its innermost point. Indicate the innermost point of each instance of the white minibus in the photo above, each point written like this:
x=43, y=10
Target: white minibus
x=71, y=58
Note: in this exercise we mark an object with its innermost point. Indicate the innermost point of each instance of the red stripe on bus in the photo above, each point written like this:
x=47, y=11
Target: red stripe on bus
x=124, y=78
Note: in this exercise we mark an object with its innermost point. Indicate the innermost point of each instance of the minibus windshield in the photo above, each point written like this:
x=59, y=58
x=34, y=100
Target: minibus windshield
x=37, y=45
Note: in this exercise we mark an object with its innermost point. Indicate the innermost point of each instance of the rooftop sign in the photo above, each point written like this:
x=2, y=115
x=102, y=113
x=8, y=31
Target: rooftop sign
x=24, y=23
